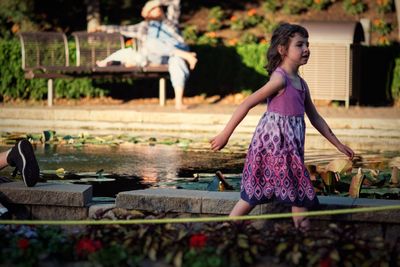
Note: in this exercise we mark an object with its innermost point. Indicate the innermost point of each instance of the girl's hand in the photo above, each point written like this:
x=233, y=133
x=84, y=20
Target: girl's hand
x=346, y=150
x=218, y=142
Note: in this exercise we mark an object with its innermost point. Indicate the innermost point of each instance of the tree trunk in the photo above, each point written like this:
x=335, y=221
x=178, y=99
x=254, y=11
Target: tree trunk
x=92, y=14
x=397, y=6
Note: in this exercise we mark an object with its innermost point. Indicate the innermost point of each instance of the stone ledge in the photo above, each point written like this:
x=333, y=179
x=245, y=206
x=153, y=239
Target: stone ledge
x=169, y=200
x=47, y=194
x=221, y=203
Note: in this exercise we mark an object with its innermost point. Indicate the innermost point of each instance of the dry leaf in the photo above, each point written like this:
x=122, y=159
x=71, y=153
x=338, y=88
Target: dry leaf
x=395, y=165
x=355, y=185
x=339, y=165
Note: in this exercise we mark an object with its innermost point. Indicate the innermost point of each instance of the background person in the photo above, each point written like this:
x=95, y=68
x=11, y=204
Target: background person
x=160, y=42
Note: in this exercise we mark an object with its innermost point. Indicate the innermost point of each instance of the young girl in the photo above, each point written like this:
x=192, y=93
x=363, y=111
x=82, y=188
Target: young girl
x=274, y=167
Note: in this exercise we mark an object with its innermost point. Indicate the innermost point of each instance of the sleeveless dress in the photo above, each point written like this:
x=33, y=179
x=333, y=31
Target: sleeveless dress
x=274, y=167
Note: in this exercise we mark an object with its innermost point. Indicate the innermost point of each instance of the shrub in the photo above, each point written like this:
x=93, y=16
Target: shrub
x=208, y=38
x=354, y=7
x=271, y=6
x=237, y=23
x=294, y=7
x=190, y=33
x=248, y=38
x=14, y=85
x=381, y=26
x=320, y=4
x=252, y=18
x=384, y=6
x=396, y=81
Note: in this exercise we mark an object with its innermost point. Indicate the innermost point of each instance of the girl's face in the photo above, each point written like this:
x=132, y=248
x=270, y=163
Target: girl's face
x=297, y=52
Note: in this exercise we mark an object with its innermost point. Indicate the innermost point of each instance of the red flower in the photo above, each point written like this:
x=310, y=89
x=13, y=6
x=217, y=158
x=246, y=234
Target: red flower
x=87, y=246
x=23, y=243
x=198, y=241
x=325, y=262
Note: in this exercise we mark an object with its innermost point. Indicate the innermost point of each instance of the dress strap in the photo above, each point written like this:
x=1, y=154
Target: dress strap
x=283, y=73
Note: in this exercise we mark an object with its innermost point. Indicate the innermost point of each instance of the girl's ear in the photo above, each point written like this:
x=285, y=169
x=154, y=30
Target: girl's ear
x=281, y=50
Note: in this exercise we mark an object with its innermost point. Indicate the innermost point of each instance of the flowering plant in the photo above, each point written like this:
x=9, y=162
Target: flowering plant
x=320, y=4
x=215, y=17
x=380, y=26
x=190, y=33
x=192, y=245
x=236, y=23
x=354, y=7
x=252, y=18
x=208, y=38
x=384, y=6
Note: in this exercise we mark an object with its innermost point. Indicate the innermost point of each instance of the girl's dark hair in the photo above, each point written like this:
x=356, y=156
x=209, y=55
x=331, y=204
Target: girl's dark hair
x=281, y=36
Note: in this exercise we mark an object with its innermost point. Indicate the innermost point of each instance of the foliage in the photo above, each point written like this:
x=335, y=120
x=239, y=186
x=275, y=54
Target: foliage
x=294, y=7
x=195, y=245
x=268, y=26
x=15, y=15
x=248, y=38
x=252, y=18
x=381, y=26
x=216, y=13
x=354, y=7
x=395, y=88
x=208, y=38
x=190, y=34
x=14, y=85
x=271, y=6
x=384, y=6
x=237, y=23
x=320, y=4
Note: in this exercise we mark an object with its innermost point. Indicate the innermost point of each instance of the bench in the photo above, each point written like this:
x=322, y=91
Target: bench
x=46, y=55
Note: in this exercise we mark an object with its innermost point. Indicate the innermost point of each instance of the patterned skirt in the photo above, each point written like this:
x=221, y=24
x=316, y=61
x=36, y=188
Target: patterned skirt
x=274, y=168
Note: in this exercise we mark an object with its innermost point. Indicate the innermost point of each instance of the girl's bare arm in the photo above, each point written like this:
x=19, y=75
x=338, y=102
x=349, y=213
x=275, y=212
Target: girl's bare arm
x=275, y=84
x=320, y=124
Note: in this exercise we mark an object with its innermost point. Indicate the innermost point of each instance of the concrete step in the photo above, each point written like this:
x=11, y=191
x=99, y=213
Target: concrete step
x=46, y=200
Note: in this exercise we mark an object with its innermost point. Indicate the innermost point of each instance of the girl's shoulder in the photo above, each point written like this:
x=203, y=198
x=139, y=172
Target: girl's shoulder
x=279, y=75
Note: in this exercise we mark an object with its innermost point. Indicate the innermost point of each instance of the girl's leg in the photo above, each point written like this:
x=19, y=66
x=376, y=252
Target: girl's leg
x=300, y=222
x=241, y=208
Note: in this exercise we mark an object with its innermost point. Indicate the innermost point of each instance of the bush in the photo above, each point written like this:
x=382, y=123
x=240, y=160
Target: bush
x=14, y=85
x=396, y=81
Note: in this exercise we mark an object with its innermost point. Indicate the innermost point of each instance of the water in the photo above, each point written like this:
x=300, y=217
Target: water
x=142, y=166
x=134, y=166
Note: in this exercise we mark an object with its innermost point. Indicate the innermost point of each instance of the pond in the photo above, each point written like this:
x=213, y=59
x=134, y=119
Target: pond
x=112, y=169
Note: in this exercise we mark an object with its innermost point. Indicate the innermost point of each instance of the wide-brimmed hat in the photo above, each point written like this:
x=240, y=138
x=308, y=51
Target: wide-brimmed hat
x=149, y=6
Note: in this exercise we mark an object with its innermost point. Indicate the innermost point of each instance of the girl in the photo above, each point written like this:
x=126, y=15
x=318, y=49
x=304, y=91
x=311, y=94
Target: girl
x=274, y=167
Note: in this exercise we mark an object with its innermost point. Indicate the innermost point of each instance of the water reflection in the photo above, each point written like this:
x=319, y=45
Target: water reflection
x=141, y=165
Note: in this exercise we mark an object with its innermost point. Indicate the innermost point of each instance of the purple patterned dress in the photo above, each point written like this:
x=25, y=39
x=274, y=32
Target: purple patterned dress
x=274, y=168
